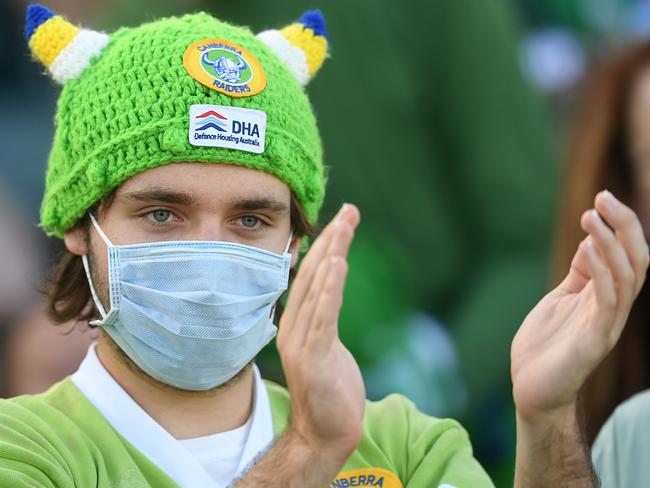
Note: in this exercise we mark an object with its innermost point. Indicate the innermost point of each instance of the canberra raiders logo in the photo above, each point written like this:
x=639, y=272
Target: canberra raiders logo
x=225, y=67
x=228, y=67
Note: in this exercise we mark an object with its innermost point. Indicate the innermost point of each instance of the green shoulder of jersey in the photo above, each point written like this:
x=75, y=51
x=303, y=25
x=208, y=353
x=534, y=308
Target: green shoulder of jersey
x=58, y=439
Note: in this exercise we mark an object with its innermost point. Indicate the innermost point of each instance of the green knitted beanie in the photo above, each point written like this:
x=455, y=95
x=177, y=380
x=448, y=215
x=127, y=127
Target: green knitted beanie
x=189, y=88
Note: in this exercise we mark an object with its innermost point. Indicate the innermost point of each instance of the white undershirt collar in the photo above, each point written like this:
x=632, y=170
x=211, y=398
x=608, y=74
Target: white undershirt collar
x=146, y=435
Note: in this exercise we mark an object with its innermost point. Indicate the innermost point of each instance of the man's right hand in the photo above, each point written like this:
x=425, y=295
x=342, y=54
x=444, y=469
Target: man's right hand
x=324, y=380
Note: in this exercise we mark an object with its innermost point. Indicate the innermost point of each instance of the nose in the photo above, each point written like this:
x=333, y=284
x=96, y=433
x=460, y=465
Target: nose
x=208, y=229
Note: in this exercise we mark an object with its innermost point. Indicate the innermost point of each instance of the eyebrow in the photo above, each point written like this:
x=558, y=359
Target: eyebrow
x=164, y=195
x=271, y=204
x=160, y=195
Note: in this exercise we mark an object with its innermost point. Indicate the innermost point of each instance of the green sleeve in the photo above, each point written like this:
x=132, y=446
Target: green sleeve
x=449, y=461
x=424, y=451
x=30, y=452
x=59, y=439
x=441, y=454
x=16, y=474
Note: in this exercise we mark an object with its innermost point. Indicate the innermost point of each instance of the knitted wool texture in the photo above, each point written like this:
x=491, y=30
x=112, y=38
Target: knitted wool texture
x=129, y=111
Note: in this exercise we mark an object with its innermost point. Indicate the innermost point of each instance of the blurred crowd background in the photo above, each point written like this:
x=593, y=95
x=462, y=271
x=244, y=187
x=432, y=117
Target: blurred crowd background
x=471, y=134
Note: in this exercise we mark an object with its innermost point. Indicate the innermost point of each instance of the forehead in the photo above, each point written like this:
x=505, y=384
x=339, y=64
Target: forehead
x=211, y=183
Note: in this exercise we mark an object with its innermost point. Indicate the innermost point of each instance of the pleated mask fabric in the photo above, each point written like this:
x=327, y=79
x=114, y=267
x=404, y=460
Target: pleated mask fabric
x=191, y=314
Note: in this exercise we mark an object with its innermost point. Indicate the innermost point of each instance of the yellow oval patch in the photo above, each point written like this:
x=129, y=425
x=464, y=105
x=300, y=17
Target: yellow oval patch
x=366, y=477
x=225, y=67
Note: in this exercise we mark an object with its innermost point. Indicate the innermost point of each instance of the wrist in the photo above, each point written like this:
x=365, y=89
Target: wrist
x=294, y=463
x=551, y=449
x=331, y=455
x=539, y=421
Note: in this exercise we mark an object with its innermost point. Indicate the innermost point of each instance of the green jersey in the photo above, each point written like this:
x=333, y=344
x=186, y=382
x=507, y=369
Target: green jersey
x=60, y=439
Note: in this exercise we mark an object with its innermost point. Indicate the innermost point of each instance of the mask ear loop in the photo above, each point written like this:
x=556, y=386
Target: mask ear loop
x=99, y=230
x=84, y=260
x=286, y=251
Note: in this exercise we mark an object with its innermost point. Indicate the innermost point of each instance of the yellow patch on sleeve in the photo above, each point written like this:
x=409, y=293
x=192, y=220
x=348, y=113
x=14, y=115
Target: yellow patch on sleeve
x=366, y=478
x=50, y=38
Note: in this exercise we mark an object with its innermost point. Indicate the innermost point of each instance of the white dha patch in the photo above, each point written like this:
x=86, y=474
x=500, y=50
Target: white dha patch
x=230, y=127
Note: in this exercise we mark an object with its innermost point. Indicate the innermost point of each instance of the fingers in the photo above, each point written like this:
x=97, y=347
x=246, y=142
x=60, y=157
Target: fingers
x=334, y=240
x=578, y=275
x=348, y=214
x=338, y=249
x=628, y=231
x=613, y=252
x=622, y=249
x=601, y=277
x=608, y=327
x=324, y=326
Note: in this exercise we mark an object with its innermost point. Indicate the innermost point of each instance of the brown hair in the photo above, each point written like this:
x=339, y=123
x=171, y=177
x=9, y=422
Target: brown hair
x=68, y=293
x=598, y=147
x=599, y=158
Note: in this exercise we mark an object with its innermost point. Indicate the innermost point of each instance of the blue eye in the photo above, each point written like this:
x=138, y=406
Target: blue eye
x=161, y=215
x=249, y=221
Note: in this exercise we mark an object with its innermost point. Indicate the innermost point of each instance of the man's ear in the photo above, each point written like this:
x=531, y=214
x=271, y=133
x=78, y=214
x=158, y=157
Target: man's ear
x=294, y=249
x=76, y=241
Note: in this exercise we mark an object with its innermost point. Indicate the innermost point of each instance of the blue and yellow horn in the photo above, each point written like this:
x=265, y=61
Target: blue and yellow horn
x=302, y=46
x=64, y=49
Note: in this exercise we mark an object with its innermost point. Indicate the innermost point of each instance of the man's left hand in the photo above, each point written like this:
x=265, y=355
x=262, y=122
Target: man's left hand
x=576, y=325
x=565, y=337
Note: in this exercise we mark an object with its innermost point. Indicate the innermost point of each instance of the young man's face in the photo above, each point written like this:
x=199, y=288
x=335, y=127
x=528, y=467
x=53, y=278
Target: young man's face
x=190, y=201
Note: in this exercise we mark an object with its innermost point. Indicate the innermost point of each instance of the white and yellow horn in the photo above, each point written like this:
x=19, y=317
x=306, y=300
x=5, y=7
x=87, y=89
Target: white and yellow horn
x=302, y=46
x=64, y=49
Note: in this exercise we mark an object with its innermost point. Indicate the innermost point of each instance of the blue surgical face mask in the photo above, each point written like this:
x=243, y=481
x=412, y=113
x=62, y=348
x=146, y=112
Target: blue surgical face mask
x=191, y=314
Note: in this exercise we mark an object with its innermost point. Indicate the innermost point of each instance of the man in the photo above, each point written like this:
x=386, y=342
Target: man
x=185, y=170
